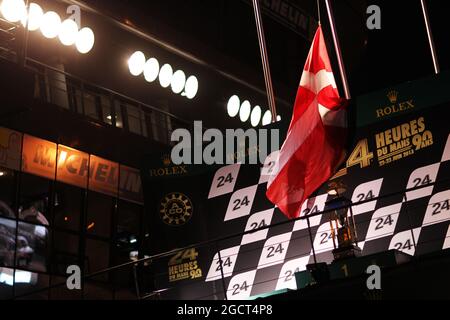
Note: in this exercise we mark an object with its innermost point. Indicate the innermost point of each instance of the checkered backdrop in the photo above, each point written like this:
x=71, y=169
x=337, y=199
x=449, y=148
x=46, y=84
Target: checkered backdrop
x=414, y=222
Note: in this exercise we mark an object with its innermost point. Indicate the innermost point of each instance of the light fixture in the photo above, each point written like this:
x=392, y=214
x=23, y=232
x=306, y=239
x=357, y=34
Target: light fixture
x=68, y=33
x=256, y=116
x=278, y=118
x=245, y=110
x=178, y=81
x=267, y=118
x=191, y=88
x=233, y=106
x=13, y=10
x=165, y=75
x=34, y=17
x=51, y=24
x=151, y=70
x=2, y=174
x=85, y=40
x=136, y=63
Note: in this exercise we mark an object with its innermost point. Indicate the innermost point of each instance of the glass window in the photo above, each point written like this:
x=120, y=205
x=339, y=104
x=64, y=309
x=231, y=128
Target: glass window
x=90, y=106
x=26, y=283
x=34, y=200
x=100, y=208
x=97, y=259
x=61, y=292
x=97, y=256
x=65, y=252
x=6, y=283
x=127, y=232
x=106, y=109
x=32, y=247
x=7, y=192
x=7, y=242
x=68, y=207
x=75, y=97
x=134, y=119
x=98, y=290
x=118, y=111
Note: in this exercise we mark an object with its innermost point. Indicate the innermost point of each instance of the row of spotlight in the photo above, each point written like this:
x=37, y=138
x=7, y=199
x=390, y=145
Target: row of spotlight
x=245, y=112
x=179, y=83
x=49, y=23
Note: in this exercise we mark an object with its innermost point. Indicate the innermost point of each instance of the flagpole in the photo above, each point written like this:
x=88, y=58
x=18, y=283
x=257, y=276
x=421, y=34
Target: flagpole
x=430, y=37
x=337, y=47
x=265, y=60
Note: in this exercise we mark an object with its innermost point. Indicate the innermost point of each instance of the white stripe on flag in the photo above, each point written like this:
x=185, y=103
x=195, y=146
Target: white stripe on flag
x=316, y=82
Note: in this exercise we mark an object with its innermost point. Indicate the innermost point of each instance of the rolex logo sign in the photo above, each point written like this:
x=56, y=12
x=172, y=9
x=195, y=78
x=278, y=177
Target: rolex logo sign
x=393, y=96
x=176, y=209
x=395, y=107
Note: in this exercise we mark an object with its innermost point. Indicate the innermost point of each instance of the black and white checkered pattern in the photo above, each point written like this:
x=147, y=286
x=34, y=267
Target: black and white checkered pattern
x=416, y=223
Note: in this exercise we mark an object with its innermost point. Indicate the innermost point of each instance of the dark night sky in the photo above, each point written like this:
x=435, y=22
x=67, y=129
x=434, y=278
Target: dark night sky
x=375, y=59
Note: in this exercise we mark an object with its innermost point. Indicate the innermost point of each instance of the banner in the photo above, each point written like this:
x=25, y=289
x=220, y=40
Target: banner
x=39, y=157
x=404, y=146
x=130, y=185
x=104, y=176
x=73, y=167
x=10, y=149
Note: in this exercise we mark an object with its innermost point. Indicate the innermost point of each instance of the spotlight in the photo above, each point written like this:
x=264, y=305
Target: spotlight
x=85, y=40
x=35, y=15
x=51, y=24
x=233, y=106
x=256, y=116
x=178, y=81
x=278, y=118
x=13, y=10
x=136, y=63
x=244, y=113
x=165, y=75
x=68, y=33
x=151, y=70
x=267, y=118
x=191, y=88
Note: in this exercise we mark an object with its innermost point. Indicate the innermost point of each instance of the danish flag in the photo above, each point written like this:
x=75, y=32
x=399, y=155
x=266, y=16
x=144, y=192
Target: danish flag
x=315, y=142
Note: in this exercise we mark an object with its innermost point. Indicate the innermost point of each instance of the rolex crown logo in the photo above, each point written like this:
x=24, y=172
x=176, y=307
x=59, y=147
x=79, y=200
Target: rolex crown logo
x=393, y=96
x=166, y=160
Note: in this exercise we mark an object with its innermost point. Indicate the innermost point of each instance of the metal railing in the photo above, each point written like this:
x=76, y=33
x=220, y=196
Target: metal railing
x=97, y=103
x=138, y=269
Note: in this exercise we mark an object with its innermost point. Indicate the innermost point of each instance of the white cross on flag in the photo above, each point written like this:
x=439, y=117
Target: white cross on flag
x=315, y=142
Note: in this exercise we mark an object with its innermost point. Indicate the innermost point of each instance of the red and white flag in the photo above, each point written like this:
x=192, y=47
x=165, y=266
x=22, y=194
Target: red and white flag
x=315, y=142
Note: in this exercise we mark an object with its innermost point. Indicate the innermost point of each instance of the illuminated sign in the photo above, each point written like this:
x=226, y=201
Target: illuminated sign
x=104, y=176
x=10, y=149
x=73, y=167
x=39, y=157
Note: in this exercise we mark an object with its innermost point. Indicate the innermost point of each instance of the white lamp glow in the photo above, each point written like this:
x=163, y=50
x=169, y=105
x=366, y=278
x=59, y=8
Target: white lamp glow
x=68, y=32
x=136, y=63
x=178, y=81
x=35, y=15
x=151, y=70
x=244, y=113
x=85, y=40
x=191, y=88
x=233, y=106
x=51, y=25
x=278, y=118
x=165, y=75
x=256, y=116
x=267, y=118
x=13, y=10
